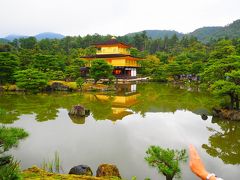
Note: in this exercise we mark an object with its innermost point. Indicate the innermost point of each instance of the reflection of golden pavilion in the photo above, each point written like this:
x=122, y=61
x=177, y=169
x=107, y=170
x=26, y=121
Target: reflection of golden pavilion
x=119, y=101
x=120, y=104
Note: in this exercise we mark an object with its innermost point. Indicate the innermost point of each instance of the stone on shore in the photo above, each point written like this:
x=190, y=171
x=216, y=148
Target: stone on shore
x=81, y=170
x=35, y=173
x=107, y=170
x=228, y=114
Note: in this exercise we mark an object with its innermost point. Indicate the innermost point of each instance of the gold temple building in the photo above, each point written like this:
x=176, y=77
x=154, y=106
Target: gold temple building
x=118, y=55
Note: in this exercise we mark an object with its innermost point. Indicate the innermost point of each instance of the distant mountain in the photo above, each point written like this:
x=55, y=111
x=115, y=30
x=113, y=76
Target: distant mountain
x=3, y=41
x=49, y=35
x=45, y=35
x=11, y=37
x=154, y=34
x=206, y=33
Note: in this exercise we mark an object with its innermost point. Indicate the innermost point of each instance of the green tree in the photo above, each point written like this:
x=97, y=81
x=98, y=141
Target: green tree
x=149, y=65
x=80, y=81
x=26, y=58
x=45, y=63
x=50, y=46
x=56, y=75
x=223, y=49
x=78, y=62
x=196, y=67
x=87, y=51
x=9, y=137
x=223, y=88
x=100, y=69
x=165, y=43
x=138, y=41
x=72, y=72
x=8, y=65
x=159, y=73
x=28, y=43
x=223, y=79
x=163, y=56
x=137, y=53
x=166, y=160
x=31, y=79
x=5, y=47
x=174, y=70
x=173, y=41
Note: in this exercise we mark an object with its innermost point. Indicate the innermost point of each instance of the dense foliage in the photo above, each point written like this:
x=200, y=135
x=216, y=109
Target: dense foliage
x=204, y=34
x=9, y=137
x=80, y=82
x=31, y=79
x=222, y=74
x=8, y=65
x=100, y=69
x=174, y=58
x=166, y=160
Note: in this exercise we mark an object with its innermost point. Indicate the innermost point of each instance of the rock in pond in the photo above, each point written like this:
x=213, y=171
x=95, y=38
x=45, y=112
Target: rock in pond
x=204, y=117
x=81, y=170
x=228, y=114
x=107, y=170
x=79, y=110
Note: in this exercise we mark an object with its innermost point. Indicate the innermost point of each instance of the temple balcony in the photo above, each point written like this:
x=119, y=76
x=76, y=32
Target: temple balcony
x=113, y=50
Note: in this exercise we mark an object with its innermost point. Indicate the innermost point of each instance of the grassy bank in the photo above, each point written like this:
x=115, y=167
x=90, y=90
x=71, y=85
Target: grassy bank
x=37, y=174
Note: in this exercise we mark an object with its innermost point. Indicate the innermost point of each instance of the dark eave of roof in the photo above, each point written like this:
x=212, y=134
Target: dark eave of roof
x=110, y=42
x=107, y=56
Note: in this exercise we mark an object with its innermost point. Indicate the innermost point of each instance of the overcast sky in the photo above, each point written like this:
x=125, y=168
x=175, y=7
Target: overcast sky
x=116, y=17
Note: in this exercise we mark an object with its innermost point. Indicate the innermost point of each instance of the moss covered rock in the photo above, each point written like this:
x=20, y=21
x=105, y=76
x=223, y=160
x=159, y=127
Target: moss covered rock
x=35, y=173
x=79, y=111
x=106, y=170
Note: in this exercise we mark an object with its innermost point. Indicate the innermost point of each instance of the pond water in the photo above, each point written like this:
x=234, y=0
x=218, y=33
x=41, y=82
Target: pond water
x=120, y=128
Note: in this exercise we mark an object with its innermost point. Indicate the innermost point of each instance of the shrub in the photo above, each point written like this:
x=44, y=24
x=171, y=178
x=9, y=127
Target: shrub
x=31, y=79
x=9, y=137
x=166, y=160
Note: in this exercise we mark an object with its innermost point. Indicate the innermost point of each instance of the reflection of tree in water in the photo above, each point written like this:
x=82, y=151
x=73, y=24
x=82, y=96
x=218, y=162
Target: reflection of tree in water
x=99, y=108
x=44, y=106
x=225, y=143
x=46, y=114
x=166, y=98
x=7, y=117
x=152, y=97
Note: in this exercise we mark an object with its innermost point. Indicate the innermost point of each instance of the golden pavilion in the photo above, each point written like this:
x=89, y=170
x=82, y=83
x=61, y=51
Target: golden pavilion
x=118, y=55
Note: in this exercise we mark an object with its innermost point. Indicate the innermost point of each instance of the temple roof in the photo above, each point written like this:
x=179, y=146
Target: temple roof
x=108, y=56
x=112, y=41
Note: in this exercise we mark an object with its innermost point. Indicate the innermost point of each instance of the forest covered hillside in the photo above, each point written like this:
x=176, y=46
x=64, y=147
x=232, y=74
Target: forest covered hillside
x=45, y=35
x=207, y=33
x=155, y=34
x=203, y=34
